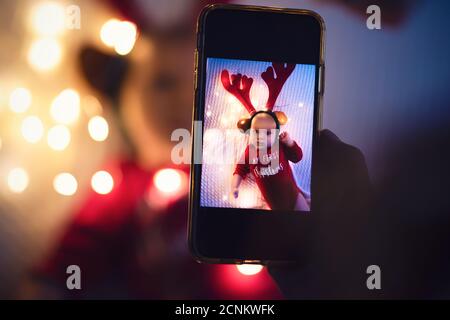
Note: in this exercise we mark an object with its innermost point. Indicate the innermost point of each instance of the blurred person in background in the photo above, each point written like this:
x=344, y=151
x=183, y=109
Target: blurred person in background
x=131, y=242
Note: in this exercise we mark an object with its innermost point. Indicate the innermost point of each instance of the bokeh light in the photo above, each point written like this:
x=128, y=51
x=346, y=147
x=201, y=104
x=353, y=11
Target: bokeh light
x=235, y=285
x=121, y=35
x=18, y=180
x=58, y=137
x=108, y=32
x=20, y=100
x=48, y=18
x=102, y=182
x=249, y=269
x=44, y=54
x=126, y=38
x=168, y=180
x=65, y=107
x=98, y=128
x=32, y=129
x=65, y=184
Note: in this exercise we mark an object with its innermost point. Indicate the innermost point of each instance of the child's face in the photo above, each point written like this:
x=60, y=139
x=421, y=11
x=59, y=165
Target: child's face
x=263, y=131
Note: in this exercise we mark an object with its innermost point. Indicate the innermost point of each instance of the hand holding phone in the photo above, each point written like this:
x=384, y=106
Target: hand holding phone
x=342, y=218
x=286, y=139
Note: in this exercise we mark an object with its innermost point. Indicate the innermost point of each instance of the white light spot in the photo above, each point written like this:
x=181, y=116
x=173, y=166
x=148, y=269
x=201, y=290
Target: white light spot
x=44, y=54
x=121, y=35
x=48, y=19
x=167, y=180
x=32, y=129
x=98, y=128
x=65, y=184
x=58, y=137
x=18, y=180
x=65, y=107
x=107, y=33
x=102, y=182
x=249, y=269
x=20, y=100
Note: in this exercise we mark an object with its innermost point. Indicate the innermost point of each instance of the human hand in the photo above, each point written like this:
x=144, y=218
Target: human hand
x=335, y=262
x=286, y=139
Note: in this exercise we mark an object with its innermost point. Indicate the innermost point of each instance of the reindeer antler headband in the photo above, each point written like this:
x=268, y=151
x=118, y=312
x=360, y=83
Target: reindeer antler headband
x=240, y=86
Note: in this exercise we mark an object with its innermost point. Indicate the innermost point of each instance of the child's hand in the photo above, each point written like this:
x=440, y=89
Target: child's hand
x=286, y=139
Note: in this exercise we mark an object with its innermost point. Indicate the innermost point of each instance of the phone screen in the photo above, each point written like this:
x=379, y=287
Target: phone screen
x=258, y=88
x=257, y=135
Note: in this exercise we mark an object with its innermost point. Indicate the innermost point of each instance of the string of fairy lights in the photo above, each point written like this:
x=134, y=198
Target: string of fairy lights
x=47, y=23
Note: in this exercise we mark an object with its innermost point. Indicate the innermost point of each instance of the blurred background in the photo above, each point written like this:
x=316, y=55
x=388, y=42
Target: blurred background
x=89, y=94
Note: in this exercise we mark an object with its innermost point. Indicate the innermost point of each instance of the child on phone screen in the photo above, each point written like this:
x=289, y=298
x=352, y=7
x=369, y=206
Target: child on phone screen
x=276, y=183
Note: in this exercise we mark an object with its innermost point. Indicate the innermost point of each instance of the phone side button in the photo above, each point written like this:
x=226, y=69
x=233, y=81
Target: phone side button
x=195, y=79
x=321, y=79
x=195, y=59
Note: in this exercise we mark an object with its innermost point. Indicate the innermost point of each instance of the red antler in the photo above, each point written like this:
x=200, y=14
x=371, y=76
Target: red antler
x=239, y=86
x=273, y=84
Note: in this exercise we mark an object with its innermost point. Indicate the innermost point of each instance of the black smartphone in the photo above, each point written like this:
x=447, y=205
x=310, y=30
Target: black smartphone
x=259, y=75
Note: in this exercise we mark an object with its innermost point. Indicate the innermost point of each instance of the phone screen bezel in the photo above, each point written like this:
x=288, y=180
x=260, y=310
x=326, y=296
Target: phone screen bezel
x=231, y=235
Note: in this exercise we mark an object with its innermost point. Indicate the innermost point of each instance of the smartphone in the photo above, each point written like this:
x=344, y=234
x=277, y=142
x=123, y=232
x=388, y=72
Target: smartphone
x=259, y=76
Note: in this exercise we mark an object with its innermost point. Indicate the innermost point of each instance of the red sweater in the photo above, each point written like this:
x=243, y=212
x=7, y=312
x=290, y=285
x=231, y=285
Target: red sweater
x=277, y=184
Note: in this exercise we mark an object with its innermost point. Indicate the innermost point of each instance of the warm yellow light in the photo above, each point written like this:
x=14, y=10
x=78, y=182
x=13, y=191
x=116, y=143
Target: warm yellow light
x=249, y=269
x=58, y=137
x=167, y=180
x=32, y=129
x=1, y=143
x=126, y=38
x=65, y=107
x=44, y=54
x=65, y=184
x=98, y=128
x=108, y=30
x=102, y=182
x=121, y=35
x=20, y=100
x=48, y=18
x=18, y=180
